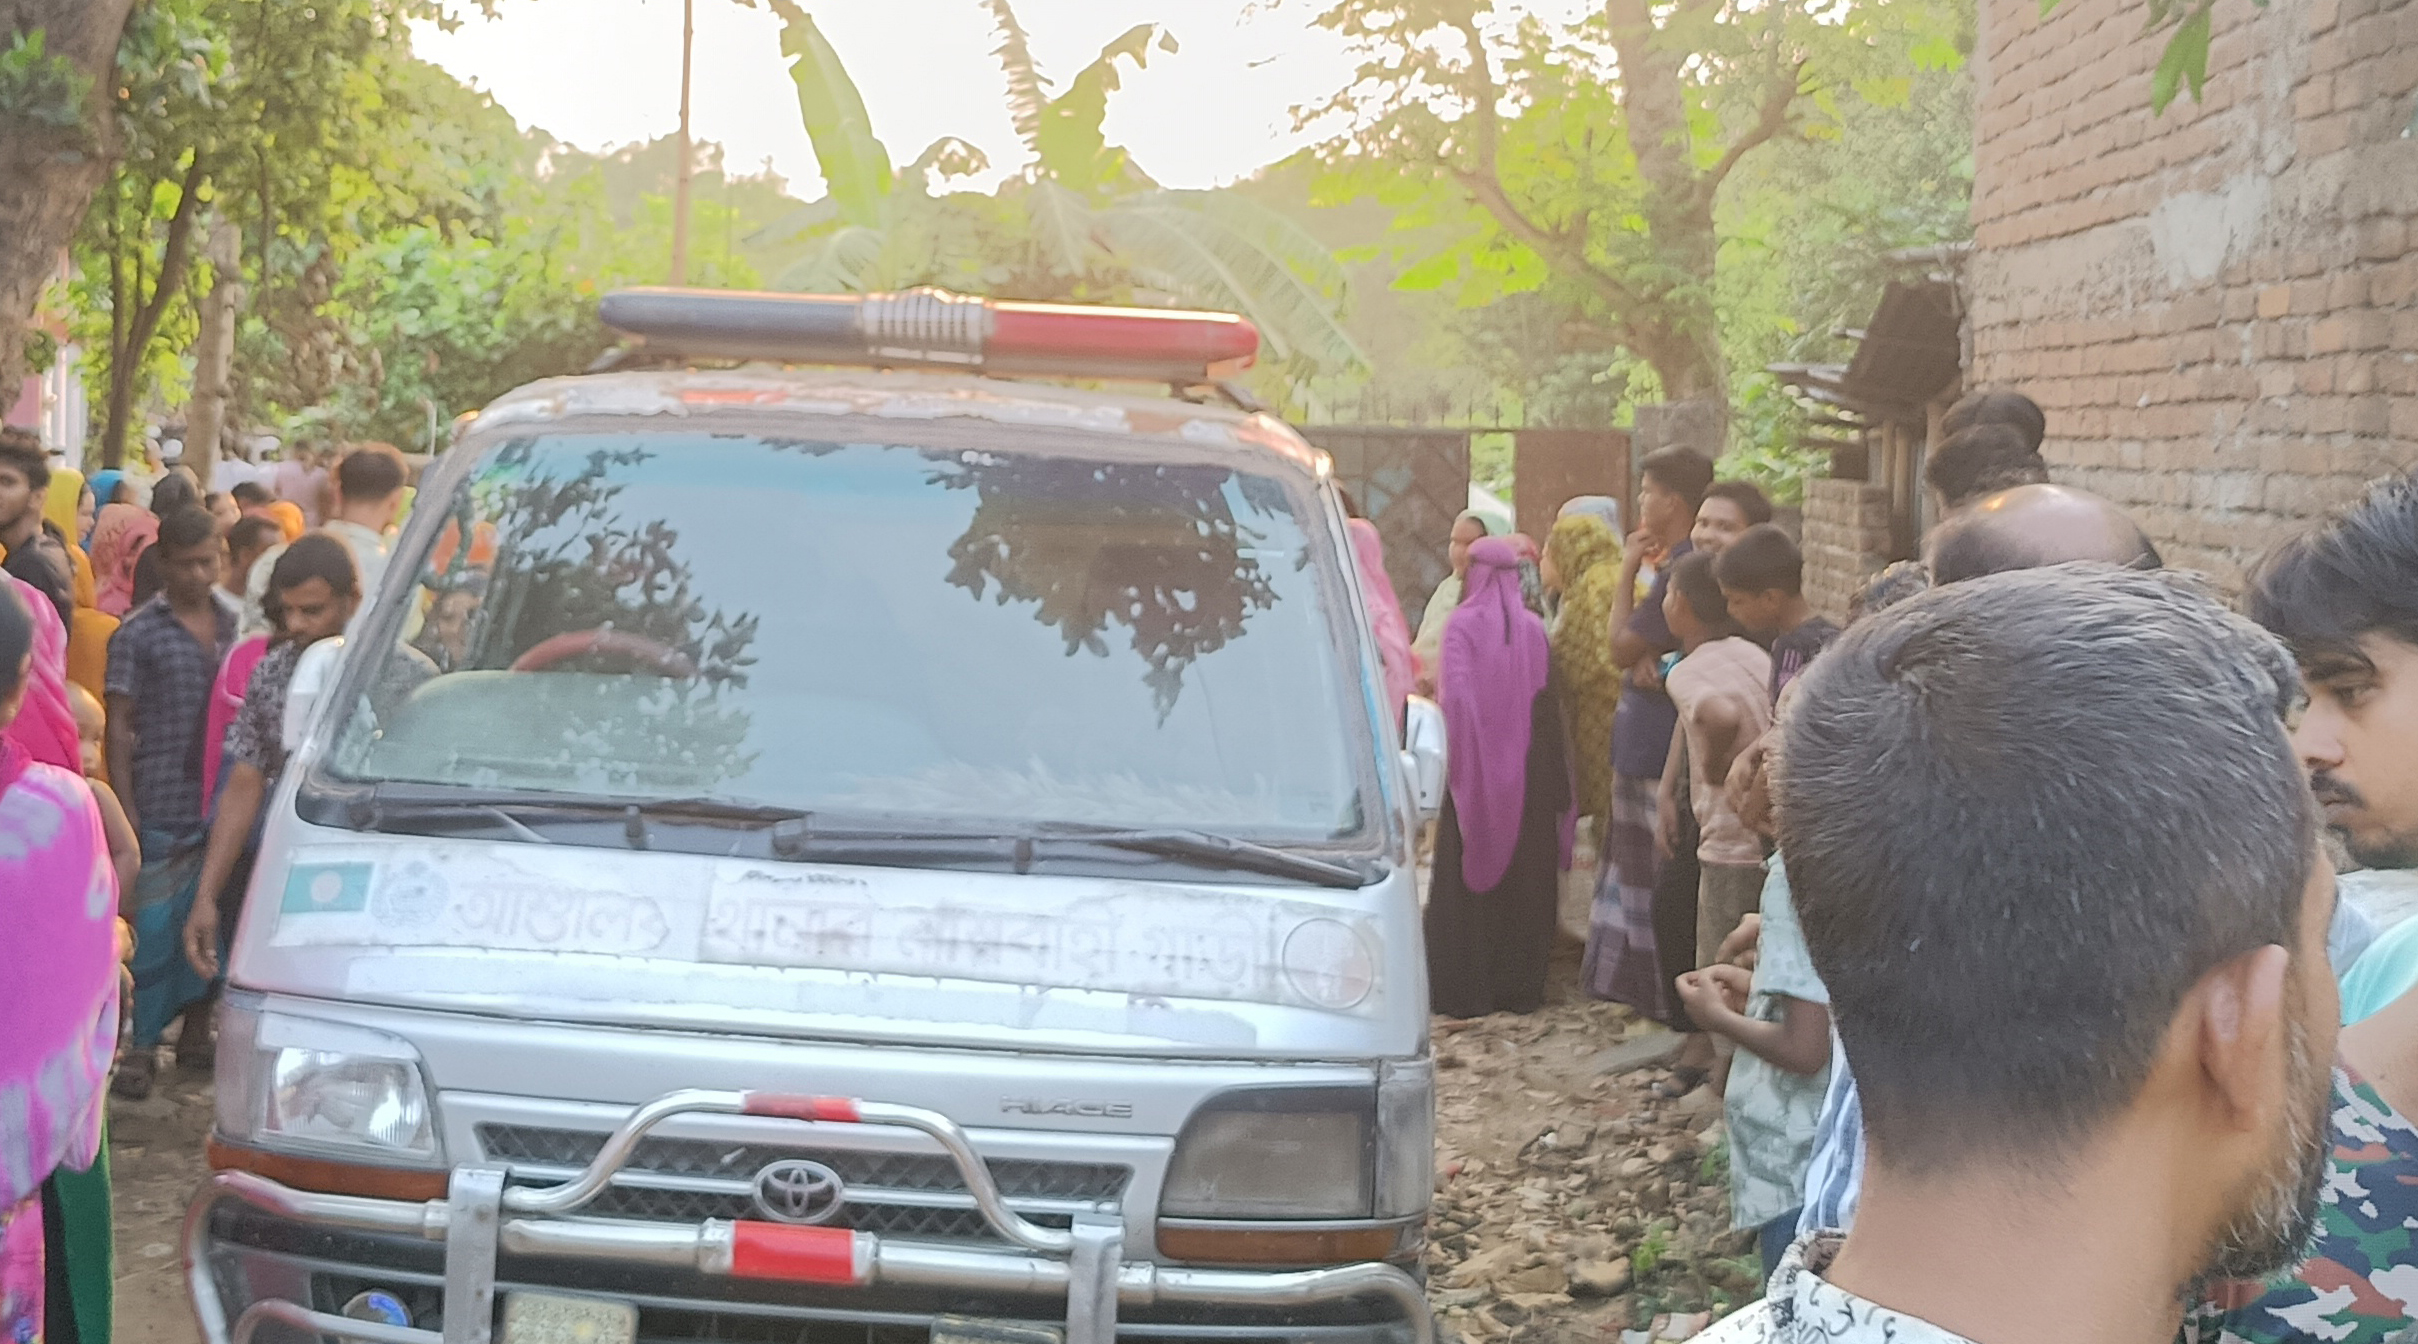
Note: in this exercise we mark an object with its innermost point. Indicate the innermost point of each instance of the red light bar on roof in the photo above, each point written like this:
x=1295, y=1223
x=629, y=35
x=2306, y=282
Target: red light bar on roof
x=935, y=327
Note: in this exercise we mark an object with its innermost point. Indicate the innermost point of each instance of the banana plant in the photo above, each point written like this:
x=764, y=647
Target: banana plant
x=1080, y=215
x=1096, y=216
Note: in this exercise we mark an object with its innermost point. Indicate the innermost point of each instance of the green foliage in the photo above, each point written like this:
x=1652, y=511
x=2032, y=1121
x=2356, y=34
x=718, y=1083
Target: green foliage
x=856, y=168
x=1082, y=221
x=1584, y=161
x=1650, y=1250
x=2184, y=60
x=38, y=87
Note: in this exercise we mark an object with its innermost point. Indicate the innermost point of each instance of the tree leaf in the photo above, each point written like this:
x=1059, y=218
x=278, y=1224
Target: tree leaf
x=1068, y=141
x=1434, y=273
x=1230, y=252
x=1028, y=92
x=2185, y=60
x=855, y=167
x=1062, y=229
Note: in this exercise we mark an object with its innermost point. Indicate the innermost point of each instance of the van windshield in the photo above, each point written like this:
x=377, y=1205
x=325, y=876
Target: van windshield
x=873, y=629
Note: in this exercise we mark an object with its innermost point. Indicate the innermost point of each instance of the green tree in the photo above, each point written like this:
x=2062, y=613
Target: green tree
x=58, y=133
x=1590, y=159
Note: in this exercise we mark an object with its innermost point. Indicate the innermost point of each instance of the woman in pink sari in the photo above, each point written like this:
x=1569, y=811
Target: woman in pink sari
x=119, y=537
x=45, y=724
x=1385, y=615
x=58, y=976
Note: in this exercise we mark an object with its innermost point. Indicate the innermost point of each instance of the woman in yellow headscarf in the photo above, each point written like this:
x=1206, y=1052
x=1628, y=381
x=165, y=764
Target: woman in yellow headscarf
x=88, y=634
x=1582, y=562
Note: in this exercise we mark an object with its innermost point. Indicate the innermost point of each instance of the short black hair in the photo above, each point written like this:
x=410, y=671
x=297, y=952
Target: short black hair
x=1763, y=559
x=313, y=555
x=370, y=473
x=187, y=528
x=23, y=451
x=1747, y=495
x=2352, y=576
x=1693, y=579
x=2023, y=816
x=1893, y=584
x=33, y=565
x=252, y=534
x=1983, y=459
x=1682, y=471
x=2012, y=409
x=173, y=494
x=16, y=638
x=251, y=495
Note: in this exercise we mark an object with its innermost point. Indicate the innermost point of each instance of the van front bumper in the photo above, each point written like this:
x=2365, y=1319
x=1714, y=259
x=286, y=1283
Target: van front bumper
x=277, y=1246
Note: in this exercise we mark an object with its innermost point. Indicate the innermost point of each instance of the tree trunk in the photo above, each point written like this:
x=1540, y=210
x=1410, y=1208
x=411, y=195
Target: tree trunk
x=48, y=173
x=126, y=361
x=214, y=350
x=1677, y=208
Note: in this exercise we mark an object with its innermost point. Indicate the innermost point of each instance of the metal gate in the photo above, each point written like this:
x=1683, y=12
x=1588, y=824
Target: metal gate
x=1551, y=467
x=1411, y=483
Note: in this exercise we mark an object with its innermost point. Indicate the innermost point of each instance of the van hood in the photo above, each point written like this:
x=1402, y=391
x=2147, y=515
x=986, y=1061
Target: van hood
x=740, y=946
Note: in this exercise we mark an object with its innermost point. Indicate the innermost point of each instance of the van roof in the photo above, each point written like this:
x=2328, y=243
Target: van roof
x=898, y=395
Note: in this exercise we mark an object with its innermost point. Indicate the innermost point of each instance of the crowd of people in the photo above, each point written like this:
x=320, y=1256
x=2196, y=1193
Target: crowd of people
x=2005, y=921
x=150, y=636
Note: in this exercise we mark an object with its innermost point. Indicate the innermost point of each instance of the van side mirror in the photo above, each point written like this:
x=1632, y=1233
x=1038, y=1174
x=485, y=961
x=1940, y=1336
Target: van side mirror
x=1423, y=755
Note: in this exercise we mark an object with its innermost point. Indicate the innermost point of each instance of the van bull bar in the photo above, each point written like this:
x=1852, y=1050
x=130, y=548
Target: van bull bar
x=481, y=1216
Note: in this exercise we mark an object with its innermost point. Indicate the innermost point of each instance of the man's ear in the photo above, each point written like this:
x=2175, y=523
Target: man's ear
x=2236, y=1019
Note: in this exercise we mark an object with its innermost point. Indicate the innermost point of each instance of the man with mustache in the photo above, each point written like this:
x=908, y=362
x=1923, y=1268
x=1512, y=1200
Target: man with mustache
x=2345, y=598
x=2089, y=1009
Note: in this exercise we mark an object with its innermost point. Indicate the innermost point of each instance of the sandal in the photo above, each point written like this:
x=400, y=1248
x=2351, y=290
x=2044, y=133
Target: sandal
x=1683, y=1080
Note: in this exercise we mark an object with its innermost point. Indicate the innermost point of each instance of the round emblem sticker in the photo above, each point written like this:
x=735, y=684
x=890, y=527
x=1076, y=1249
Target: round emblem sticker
x=327, y=888
x=411, y=896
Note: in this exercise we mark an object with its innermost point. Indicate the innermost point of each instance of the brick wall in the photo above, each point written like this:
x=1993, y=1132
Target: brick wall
x=1845, y=541
x=2217, y=308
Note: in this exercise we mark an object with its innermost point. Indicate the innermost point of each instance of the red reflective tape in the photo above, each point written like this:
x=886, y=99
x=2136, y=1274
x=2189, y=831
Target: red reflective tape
x=801, y=1108
x=793, y=1254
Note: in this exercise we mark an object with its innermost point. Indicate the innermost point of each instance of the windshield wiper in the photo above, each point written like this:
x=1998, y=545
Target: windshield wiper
x=796, y=836
x=382, y=800
x=1211, y=848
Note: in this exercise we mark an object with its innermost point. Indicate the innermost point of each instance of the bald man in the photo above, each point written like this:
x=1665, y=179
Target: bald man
x=2035, y=525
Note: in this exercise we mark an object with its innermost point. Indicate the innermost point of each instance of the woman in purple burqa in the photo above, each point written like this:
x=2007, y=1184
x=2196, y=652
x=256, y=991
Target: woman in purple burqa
x=1507, y=805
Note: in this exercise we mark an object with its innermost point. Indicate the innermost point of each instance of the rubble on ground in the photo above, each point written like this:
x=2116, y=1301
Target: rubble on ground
x=1573, y=1203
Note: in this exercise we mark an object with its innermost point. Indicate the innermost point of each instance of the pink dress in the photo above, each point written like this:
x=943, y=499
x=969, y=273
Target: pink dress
x=58, y=982
x=1386, y=621
x=226, y=701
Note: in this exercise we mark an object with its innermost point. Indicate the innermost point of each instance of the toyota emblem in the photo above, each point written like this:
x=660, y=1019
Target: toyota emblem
x=798, y=1191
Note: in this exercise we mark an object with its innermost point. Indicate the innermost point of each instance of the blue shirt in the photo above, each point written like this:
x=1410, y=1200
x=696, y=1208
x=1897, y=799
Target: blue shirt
x=1643, y=722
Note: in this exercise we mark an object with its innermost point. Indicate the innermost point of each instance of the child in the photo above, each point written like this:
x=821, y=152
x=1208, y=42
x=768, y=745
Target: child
x=92, y=731
x=1720, y=688
x=1762, y=582
x=1779, y=1017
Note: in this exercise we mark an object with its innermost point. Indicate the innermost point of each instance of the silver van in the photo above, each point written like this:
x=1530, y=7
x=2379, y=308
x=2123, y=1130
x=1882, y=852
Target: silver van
x=861, y=853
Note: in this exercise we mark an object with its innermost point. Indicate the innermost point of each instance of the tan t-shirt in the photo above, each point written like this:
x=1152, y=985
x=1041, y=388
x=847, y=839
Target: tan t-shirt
x=1725, y=670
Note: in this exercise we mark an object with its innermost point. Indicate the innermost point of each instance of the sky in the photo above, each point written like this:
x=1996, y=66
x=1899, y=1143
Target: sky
x=598, y=73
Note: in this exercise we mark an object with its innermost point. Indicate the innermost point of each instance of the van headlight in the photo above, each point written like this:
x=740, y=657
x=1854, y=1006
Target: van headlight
x=295, y=1084
x=1279, y=1152
x=1310, y=1152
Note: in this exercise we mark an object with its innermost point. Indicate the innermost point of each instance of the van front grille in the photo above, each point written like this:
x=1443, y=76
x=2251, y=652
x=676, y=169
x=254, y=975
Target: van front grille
x=907, y=1195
